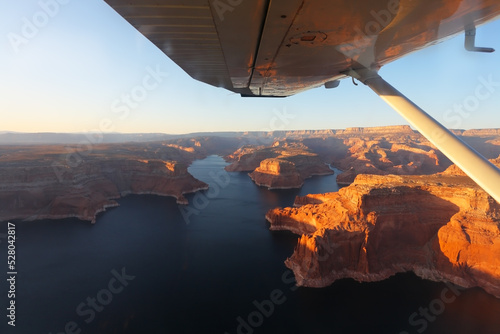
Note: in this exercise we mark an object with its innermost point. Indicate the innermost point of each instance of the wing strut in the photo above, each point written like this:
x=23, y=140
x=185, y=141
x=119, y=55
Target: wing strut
x=477, y=167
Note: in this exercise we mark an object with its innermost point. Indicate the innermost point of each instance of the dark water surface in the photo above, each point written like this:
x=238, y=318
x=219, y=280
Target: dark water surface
x=151, y=266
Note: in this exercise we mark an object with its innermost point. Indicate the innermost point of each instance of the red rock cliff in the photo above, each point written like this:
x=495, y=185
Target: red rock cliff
x=277, y=174
x=397, y=150
x=284, y=164
x=441, y=227
x=35, y=186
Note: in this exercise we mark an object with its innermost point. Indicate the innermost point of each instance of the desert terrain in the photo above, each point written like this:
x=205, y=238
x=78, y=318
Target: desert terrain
x=404, y=206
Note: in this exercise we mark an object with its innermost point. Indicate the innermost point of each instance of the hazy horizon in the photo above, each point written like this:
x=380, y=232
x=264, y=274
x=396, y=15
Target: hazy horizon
x=228, y=131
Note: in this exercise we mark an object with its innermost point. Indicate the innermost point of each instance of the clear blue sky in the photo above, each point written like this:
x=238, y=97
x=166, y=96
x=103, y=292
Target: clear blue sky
x=69, y=74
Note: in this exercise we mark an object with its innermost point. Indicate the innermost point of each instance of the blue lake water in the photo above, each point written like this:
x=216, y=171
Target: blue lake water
x=151, y=266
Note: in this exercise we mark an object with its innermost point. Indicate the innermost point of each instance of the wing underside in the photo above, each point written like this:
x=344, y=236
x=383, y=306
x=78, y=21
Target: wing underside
x=283, y=47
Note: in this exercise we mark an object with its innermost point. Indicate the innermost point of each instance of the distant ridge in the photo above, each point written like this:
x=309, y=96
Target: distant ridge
x=377, y=129
x=47, y=138
x=481, y=132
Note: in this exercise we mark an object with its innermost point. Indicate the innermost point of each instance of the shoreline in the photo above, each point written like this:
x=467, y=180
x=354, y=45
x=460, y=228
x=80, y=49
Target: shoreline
x=111, y=203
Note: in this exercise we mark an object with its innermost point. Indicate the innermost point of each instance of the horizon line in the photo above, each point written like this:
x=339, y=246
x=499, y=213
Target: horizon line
x=3, y=132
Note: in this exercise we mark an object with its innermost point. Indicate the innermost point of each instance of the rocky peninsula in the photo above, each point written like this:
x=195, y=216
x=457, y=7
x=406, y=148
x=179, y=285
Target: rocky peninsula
x=277, y=174
x=283, y=165
x=442, y=227
x=50, y=183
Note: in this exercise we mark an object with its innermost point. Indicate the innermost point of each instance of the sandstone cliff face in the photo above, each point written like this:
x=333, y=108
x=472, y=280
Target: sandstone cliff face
x=400, y=150
x=482, y=132
x=247, y=159
x=277, y=174
x=397, y=129
x=455, y=170
x=442, y=227
x=387, y=150
x=389, y=154
x=33, y=185
x=283, y=164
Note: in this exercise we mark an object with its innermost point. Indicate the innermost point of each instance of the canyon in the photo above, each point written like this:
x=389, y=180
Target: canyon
x=86, y=175
x=50, y=183
x=283, y=165
x=442, y=227
x=382, y=151
x=397, y=150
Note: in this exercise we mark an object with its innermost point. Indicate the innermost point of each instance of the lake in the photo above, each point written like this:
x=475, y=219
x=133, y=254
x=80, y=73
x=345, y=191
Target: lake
x=152, y=266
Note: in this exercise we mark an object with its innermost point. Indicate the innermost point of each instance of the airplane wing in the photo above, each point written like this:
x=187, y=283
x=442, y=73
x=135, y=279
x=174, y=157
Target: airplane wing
x=282, y=47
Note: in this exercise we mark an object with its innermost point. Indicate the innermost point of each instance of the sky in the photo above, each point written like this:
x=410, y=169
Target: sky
x=70, y=73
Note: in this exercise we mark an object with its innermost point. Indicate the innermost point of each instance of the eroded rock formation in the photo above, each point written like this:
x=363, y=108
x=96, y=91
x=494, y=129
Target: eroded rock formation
x=390, y=150
x=34, y=185
x=441, y=227
x=396, y=150
x=284, y=164
x=277, y=174
x=386, y=150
